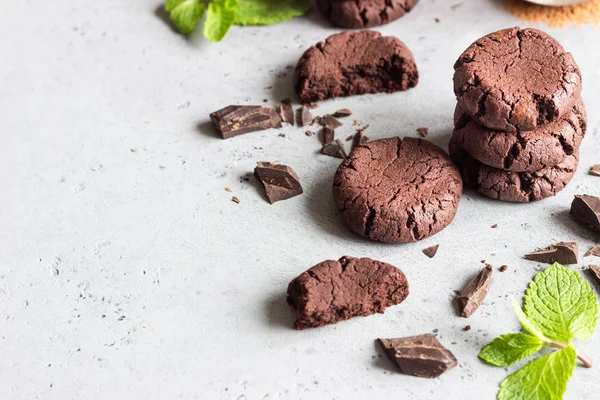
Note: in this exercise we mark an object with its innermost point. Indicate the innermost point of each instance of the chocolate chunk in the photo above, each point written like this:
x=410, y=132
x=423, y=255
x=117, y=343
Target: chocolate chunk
x=503, y=268
x=236, y=120
x=586, y=209
x=305, y=116
x=328, y=135
x=595, y=170
x=344, y=112
x=423, y=356
x=334, y=149
x=596, y=271
x=308, y=133
x=280, y=181
x=286, y=112
x=333, y=291
x=594, y=251
x=431, y=251
x=494, y=226
x=563, y=253
x=423, y=131
x=475, y=292
x=329, y=120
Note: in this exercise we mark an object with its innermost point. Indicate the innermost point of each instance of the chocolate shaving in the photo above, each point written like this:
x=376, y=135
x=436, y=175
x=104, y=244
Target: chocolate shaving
x=594, y=251
x=305, y=116
x=236, y=120
x=286, y=112
x=423, y=355
x=586, y=210
x=235, y=200
x=334, y=149
x=595, y=170
x=328, y=135
x=431, y=251
x=475, y=292
x=563, y=253
x=344, y=112
x=329, y=120
x=280, y=181
x=423, y=131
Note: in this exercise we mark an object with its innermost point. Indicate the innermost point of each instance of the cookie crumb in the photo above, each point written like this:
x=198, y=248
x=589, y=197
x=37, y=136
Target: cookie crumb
x=494, y=226
x=235, y=200
x=467, y=328
x=423, y=131
x=437, y=20
x=228, y=189
x=503, y=268
x=308, y=133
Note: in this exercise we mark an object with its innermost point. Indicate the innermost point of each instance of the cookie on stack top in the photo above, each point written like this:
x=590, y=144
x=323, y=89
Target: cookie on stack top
x=520, y=119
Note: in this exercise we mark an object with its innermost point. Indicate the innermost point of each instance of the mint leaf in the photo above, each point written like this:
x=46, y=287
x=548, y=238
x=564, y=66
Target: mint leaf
x=185, y=14
x=220, y=17
x=543, y=379
x=508, y=349
x=266, y=12
x=526, y=323
x=561, y=304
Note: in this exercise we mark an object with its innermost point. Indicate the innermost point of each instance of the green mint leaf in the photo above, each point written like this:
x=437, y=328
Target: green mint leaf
x=543, y=379
x=561, y=304
x=266, y=12
x=185, y=14
x=508, y=349
x=526, y=323
x=220, y=17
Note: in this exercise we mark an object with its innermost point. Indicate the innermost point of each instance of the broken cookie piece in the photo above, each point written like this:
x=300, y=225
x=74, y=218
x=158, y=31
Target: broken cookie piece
x=586, y=210
x=431, y=251
x=280, y=181
x=333, y=291
x=475, y=292
x=236, y=120
x=563, y=253
x=423, y=356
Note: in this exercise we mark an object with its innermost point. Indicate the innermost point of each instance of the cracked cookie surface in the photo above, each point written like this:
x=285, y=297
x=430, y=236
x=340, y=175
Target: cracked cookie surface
x=333, y=291
x=364, y=13
x=541, y=148
x=516, y=79
x=397, y=190
x=351, y=63
x=519, y=187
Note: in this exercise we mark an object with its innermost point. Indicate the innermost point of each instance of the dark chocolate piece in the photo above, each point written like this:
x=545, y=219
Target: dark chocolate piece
x=236, y=120
x=328, y=135
x=329, y=120
x=475, y=292
x=595, y=170
x=423, y=356
x=594, y=251
x=280, y=181
x=286, y=112
x=596, y=271
x=305, y=116
x=334, y=149
x=563, y=253
x=431, y=251
x=344, y=112
x=586, y=209
x=503, y=268
x=333, y=291
x=423, y=131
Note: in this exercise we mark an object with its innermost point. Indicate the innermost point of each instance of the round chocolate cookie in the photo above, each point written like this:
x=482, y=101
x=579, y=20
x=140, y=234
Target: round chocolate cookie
x=516, y=79
x=520, y=187
x=397, y=190
x=364, y=13
x=543, y=147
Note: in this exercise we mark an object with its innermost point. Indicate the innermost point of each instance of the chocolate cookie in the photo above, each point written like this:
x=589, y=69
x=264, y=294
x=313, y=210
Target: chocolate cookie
x=351, y=63
x=520, y=187
x=333, y=291
x=397, y=190
x=541, y=148
x=364, y=13
x=516, y=79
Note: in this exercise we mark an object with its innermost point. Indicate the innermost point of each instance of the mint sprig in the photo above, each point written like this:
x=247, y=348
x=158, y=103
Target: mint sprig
x=559, y=306
x=222, y=14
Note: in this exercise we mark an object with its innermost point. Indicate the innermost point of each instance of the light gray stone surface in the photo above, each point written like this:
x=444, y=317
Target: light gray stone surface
x=126, y=272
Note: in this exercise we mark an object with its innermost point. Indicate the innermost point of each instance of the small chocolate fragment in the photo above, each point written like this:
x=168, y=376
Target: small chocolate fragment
x=595, y=170
x=563, y=253
x=236, y=120
x=235, y=200
x=305, y=116
x=468, y=328
x=423, y=356
x=503, y=268
x=431, y=251
x=308, y=133
x=286, y=112
x=586, y=209
x=329, y=120
x=594, y=251
x=596, y=271
x=349, y=138
x=312, y=105
x=328, y=135
x=494, y=226
x=475, y=292
x=344, y=112
x=228, y=189
x=423, y=131
x=280, y=181
x=334, y=149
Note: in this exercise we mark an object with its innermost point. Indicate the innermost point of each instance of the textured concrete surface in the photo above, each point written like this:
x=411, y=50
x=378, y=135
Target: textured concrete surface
x=126, y=272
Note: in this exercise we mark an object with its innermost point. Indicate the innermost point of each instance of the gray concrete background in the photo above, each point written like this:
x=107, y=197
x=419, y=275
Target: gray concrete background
x=126, y=272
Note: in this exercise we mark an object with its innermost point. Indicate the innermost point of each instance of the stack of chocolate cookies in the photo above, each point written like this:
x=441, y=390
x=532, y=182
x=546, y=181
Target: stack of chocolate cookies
x=520, y=119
